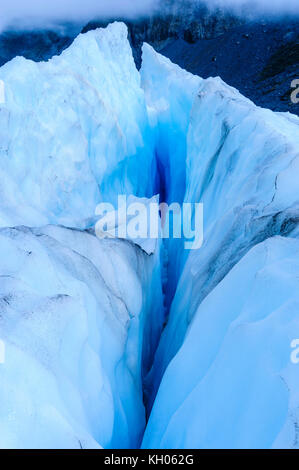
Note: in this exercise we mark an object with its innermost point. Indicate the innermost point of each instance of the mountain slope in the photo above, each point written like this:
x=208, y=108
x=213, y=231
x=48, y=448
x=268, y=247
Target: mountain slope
x=260, y=59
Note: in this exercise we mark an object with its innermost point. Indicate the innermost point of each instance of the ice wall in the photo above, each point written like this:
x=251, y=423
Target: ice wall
x=232, y=384
x=74, y=310
x=242, y=163
x=74, y=131
x=169, y=93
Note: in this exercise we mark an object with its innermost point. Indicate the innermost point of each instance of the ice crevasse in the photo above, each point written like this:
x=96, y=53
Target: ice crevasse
x=86, y=360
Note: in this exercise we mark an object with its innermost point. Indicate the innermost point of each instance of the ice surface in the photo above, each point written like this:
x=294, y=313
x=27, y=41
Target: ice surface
x=74, y=131
x=74, y=315
x=235, y=385
x=135, y=218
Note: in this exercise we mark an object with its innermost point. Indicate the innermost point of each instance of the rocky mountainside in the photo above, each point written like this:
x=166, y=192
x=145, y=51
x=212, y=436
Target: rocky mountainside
x=260, y=59
x=36, y=45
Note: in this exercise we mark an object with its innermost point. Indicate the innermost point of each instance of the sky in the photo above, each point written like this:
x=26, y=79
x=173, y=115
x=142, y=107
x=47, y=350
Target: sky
x=36, y=12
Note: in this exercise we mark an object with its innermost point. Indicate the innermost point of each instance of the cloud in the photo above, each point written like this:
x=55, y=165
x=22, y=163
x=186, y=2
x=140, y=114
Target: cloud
x=258, y=6
x=39, y=12
x=35, y=12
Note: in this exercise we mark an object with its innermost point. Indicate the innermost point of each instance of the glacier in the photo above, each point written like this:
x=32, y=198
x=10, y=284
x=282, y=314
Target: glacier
x=116, y=343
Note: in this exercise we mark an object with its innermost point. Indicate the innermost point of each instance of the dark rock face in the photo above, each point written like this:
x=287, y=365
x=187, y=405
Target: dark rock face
x=260, y=59
x=34, y=45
